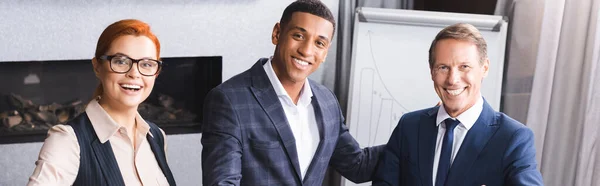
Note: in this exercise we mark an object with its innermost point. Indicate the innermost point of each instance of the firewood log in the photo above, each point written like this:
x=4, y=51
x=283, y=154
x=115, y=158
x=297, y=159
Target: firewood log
x=166, y=101
x=19, y=102
x=11, y=121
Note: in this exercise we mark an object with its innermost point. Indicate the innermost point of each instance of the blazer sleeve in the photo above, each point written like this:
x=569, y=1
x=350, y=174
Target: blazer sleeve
x=388, y=172
x=352, y=162
x=520, y=160
x=221, y=141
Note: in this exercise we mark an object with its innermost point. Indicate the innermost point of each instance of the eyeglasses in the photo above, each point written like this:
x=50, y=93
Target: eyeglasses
x=122, y=64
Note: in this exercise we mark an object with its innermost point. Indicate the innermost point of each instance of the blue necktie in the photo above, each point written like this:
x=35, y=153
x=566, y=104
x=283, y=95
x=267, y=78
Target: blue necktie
x=444, y=163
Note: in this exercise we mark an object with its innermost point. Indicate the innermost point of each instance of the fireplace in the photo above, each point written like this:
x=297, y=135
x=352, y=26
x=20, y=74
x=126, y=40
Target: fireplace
x=35, y=95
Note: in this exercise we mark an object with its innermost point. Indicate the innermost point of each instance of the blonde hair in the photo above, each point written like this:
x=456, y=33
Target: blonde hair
x=463, y=32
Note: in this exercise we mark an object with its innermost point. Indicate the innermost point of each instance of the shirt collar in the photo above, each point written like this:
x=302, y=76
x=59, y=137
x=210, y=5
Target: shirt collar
x=305, y=94
x=142, y=126
x=467, y=119
x=105, y=126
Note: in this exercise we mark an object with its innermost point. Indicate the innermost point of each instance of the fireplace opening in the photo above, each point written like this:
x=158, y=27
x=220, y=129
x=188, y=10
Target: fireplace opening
x=36, y=95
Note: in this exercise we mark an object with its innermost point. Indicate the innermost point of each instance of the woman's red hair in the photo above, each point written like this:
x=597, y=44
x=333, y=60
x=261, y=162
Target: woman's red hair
x=122, y=28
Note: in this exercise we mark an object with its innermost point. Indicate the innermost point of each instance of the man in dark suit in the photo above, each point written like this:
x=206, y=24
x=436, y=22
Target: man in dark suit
x=270, y=125
x=463, y=142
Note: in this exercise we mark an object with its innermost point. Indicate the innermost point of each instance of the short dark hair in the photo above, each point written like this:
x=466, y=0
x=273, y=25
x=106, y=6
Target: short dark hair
x=314, y=7
x=462, y=32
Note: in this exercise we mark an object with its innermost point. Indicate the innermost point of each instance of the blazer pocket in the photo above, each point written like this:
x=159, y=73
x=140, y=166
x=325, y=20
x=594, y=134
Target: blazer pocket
x=264, y=144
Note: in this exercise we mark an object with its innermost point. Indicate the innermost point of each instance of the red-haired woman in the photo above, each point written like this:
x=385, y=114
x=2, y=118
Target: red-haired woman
x=110, y=143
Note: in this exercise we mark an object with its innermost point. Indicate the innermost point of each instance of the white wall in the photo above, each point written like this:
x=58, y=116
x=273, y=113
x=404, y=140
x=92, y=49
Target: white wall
x=238, y=30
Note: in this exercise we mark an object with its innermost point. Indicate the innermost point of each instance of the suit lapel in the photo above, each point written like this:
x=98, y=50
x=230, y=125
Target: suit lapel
x=268, y=100
x=319, y=111
x=108, y=163
x=476, y=139
x=427, y=136
x=323, y=131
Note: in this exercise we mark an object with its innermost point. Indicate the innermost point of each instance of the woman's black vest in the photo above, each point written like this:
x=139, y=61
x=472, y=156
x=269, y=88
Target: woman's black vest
x=97, y=163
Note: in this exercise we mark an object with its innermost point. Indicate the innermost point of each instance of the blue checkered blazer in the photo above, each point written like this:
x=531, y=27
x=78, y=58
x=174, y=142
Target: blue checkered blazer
x=247, y=140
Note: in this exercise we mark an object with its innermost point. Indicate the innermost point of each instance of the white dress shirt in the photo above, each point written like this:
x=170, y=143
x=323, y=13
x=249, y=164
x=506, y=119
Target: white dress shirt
x=467, y=120
x=301, y=118
x=58, y=162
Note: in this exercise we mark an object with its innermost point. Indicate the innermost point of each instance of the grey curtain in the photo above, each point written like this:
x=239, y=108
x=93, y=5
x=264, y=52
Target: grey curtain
x=525, y=17
x=397, y=4
x=342, y=67
x=553, y=66
x=344, y=51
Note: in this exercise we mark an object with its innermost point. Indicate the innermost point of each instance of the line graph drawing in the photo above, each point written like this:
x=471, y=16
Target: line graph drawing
x=379, y=109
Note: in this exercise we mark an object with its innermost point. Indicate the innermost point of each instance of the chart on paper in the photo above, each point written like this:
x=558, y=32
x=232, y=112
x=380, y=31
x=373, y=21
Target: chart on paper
x=380, y=91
